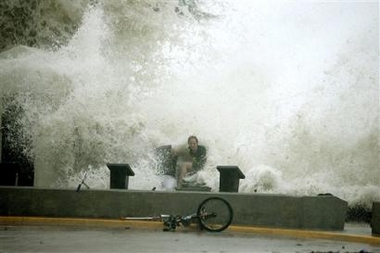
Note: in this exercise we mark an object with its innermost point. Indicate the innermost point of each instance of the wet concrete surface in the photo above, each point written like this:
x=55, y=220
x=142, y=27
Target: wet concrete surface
x=42, y=238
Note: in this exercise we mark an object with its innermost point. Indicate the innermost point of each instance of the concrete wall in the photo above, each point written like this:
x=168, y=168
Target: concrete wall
x=1, y=132
x=267, y=210
x=375, y=222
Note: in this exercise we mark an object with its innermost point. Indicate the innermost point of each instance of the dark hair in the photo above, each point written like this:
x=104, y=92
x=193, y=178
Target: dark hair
x=192, y=137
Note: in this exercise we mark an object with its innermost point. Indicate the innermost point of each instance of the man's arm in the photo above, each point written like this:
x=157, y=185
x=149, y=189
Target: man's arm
x=181, y=151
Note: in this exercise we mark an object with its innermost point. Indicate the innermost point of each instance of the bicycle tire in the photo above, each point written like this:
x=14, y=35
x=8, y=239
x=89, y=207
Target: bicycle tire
x=215, y=214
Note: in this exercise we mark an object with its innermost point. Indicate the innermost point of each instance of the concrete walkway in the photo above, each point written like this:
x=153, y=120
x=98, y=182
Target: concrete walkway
x=106, y=235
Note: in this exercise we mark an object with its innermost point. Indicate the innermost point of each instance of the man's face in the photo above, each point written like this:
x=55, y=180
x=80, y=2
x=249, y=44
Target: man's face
x=193, y=145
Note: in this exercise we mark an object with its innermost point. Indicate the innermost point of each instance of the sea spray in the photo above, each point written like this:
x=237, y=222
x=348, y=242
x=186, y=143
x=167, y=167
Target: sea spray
x=292, y=101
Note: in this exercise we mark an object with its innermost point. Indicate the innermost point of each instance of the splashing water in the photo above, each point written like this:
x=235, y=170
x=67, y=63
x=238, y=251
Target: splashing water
x=287, y=91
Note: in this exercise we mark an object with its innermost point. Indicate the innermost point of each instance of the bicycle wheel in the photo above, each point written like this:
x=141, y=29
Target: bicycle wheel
x=215, y=214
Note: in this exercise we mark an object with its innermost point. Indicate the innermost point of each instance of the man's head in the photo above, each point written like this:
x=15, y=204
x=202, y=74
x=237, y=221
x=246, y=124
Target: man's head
x=193, y=143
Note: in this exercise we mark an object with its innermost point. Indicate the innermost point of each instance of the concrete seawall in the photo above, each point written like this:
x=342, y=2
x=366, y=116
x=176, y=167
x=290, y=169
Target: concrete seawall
x=266, y=210
x=375, y=222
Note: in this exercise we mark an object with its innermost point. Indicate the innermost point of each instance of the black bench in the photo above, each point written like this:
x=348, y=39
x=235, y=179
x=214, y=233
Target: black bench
x=229, y=178
x=120, y=173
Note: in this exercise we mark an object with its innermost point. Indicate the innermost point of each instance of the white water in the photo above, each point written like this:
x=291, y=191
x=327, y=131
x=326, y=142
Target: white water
x=286, y=90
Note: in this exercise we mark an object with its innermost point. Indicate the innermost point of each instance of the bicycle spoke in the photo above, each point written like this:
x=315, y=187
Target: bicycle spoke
x=215, y=214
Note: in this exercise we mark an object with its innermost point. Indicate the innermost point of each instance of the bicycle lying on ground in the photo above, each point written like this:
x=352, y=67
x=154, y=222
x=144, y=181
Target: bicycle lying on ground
x=213, y=214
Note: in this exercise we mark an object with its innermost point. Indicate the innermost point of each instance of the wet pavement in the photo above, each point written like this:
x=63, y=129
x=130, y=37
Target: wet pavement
x=126, y=238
